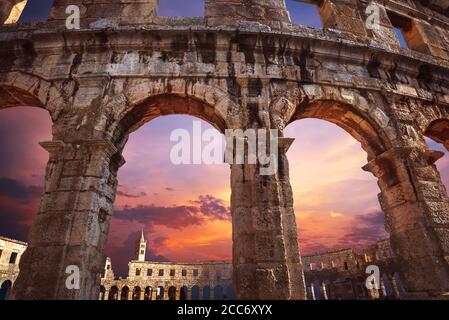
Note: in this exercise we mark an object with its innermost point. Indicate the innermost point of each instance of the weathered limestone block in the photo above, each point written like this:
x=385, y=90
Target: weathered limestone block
x=105, y=13
x=101, y=85
x=384, y=33
x=423, y=37
x=71, y=227
x=342, y=15
x=265, y=245
x=416, y=212
x=229, y=12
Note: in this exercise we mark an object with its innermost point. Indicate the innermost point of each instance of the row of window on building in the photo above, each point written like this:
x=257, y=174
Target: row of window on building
x=12, y=257
x=322, y=266
x=172, y=272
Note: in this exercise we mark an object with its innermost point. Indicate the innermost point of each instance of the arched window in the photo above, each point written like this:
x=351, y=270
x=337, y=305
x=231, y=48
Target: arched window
x=5, y=289
x=206, y=293
x=125, y=293
x=113, y=293
x=136, y=293
x=218, y=293
x=102, y=293
x=183, y=293
x=148, y=293
x=230, y=293
x=195, y=293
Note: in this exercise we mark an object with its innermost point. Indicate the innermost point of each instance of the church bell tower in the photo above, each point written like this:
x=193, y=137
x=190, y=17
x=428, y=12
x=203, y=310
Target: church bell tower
x=141, y=248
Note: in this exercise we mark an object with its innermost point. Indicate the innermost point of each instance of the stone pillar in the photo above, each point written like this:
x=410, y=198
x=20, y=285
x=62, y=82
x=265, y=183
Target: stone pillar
x=273, y=13
x=383, y=291
x=166, y=296
x=189, y=294
x=119, y=294
x=373, y=294
x=324, y=291
x=112, y=11
x=106, y=294
x=266, y=259
x=312, y=292
x=394, y=287
x=416, y=208
x=71, y=227
x=178, y=294
x=142, y=295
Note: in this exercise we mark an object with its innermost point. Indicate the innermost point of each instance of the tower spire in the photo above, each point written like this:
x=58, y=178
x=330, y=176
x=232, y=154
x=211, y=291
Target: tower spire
x=141, y=247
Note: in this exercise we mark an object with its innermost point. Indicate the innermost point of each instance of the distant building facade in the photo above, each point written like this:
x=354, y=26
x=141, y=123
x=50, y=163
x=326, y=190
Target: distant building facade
x=206, y=280
x=341, y=275
x=328, y=276
x=10, y=253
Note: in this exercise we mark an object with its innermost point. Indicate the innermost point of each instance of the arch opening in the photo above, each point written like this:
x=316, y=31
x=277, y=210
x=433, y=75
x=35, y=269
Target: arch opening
x=148, y=293
x=193, y=8
x=125, y=293
x=372, y=138
x=333, y=143
x=5, y=289
x=113, y=293
x=157, y=197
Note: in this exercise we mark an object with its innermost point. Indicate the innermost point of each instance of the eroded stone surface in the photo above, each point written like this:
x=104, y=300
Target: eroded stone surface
x=100, y=84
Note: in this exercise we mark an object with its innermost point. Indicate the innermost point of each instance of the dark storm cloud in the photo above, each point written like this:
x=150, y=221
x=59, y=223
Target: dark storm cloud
x=213, y=208
x=14, y=221
x=130, y=195
x=16, y=190
x=176, y=217
x=173, y=217
x=18, y=205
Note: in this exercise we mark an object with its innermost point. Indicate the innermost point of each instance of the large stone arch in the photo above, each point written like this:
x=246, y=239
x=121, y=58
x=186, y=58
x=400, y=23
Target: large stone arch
x=412, y=196
x=365, y=121
x=22, y=89
x=18, y=89
x=209, y=103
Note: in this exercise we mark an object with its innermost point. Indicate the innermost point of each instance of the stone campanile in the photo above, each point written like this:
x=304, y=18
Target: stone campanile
x=141, y=248
x=272, y=13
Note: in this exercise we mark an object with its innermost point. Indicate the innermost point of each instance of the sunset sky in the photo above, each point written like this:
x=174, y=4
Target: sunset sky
x=184, y=210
